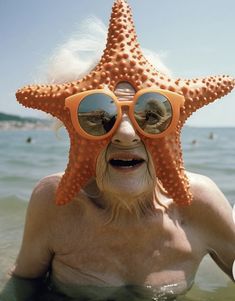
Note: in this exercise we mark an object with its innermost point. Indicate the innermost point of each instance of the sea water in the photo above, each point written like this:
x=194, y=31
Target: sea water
x=23, y=162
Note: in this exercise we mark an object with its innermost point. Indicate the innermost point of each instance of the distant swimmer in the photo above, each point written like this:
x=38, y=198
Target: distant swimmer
x=194, y=142
x=29, y=140
x=211, y=136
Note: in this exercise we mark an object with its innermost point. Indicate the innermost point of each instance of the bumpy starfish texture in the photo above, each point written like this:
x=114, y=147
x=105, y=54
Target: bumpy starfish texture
x=123, y=61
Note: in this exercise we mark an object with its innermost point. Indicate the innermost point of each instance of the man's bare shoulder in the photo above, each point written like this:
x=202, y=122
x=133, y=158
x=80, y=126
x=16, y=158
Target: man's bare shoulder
x=45, y=189
x=211, y=215
x=42, y=200
x=205, y=191
x=42, y=212
x=49, y=183
x=209, y=203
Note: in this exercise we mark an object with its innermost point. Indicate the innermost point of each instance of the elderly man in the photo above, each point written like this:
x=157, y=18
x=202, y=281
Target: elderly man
x=130, y=216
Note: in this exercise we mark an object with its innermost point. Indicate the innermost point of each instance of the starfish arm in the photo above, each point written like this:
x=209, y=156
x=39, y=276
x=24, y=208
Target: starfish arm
x=167, y=157
x=200, y=92
x=48, y=98
x=77, y=173
x=80, y=169
x=74, y=178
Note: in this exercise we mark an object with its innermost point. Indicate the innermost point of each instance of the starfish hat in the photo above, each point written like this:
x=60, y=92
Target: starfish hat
x=123, y=61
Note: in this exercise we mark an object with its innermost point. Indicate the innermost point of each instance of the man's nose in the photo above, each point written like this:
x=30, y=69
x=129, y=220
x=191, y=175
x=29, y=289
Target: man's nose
x=125, y=134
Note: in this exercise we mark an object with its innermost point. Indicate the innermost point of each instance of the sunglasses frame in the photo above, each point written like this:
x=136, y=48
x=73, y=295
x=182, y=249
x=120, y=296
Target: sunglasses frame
x=176, y=102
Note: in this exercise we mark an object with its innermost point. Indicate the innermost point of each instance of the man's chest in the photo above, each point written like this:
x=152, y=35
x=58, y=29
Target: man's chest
x=135, y=254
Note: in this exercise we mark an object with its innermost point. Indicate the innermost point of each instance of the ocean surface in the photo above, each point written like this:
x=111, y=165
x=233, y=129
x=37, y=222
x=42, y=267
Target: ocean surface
x=209, y=151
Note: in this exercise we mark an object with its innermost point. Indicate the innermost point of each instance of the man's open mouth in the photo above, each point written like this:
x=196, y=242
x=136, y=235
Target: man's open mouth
x=126, y=162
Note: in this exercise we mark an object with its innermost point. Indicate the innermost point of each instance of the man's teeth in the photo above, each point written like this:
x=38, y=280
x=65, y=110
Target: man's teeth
x=125, y=162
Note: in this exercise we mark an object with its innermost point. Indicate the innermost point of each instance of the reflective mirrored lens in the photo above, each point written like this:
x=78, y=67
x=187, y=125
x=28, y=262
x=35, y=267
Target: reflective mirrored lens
x=153, y=113
x=97, y=114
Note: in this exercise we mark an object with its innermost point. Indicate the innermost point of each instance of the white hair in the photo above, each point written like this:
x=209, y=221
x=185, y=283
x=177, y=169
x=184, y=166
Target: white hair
x=77, y=56
x=83, y=50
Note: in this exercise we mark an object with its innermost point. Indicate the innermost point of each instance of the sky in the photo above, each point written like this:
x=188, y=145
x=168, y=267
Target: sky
x=193, y=39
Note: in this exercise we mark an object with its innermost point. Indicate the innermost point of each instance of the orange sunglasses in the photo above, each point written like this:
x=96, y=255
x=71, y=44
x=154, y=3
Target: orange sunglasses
x=96, y=114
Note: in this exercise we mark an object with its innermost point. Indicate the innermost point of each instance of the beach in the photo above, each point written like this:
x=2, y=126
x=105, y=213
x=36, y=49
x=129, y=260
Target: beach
x=24, y=161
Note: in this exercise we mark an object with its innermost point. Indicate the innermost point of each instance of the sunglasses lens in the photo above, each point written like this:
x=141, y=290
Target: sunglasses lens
x=97, y=114
x=153, y=113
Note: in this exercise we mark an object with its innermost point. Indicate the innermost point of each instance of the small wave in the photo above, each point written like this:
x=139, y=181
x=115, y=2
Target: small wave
x=14, y=178
x=20, y=162
x=11, y=203
x=206, y=166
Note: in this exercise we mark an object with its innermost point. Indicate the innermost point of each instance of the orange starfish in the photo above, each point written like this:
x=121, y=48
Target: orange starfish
x=123, y=61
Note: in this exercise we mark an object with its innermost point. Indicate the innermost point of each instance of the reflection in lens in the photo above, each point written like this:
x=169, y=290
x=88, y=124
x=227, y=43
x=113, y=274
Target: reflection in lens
x=97, y=114
x=153, y=113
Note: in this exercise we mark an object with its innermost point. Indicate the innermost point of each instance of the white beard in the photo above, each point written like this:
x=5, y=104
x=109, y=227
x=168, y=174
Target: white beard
x=131, y=194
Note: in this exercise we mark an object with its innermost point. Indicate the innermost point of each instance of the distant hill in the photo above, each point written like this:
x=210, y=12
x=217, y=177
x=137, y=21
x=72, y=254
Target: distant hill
x=8, y=122
x=9, y=117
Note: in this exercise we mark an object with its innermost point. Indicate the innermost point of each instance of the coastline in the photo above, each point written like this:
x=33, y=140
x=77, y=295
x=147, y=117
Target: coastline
x=26, y=125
